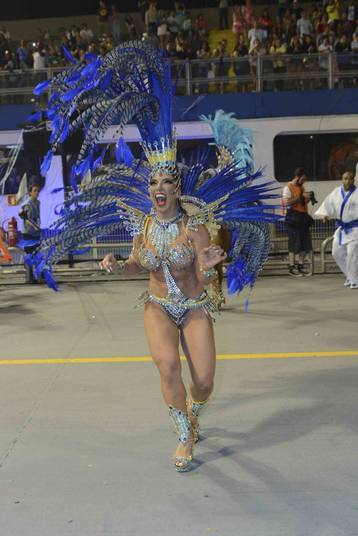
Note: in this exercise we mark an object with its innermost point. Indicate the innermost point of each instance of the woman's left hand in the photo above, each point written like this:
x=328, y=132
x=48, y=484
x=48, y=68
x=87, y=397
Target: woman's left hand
x=211, y=256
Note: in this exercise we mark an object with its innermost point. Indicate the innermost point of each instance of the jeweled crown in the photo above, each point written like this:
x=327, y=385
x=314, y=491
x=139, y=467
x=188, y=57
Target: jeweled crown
x=161, y=155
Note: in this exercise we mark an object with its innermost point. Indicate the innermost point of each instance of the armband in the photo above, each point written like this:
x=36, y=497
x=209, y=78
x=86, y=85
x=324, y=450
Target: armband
x=207, y=273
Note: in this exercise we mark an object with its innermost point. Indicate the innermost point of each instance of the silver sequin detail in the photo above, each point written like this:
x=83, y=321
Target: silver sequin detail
x=196, y=407
x=181, y=422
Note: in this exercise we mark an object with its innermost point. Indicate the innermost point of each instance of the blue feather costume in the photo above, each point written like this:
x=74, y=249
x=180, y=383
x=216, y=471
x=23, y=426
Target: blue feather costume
x=133, y=83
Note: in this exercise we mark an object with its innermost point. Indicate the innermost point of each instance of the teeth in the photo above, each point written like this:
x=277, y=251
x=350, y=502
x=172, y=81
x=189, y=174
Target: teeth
x=160, y=197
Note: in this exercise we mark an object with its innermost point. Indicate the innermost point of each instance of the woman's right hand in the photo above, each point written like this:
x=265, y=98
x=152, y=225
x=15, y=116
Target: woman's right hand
x=109, y=263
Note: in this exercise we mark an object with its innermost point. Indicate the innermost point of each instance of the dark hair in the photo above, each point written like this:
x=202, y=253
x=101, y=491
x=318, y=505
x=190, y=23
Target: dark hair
x=299, y=172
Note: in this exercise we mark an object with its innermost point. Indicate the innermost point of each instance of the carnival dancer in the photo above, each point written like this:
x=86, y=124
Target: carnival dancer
x=171, y=214
x=342, y=204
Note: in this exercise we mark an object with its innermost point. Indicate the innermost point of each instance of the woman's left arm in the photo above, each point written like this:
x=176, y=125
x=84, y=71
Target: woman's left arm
x=207, y=255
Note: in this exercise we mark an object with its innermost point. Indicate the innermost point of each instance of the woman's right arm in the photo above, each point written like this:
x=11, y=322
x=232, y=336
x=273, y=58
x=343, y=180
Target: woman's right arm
x=127, y=268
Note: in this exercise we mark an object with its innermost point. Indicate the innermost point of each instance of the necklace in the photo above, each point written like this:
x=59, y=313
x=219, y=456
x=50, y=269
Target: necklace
x=164, y=232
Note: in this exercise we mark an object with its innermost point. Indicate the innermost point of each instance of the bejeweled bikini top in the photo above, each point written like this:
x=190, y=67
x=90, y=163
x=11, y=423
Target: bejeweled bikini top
x=162, y=234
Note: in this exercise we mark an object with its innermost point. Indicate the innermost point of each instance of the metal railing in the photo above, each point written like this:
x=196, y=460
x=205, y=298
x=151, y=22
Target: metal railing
x=120, y=243
x=257, y=73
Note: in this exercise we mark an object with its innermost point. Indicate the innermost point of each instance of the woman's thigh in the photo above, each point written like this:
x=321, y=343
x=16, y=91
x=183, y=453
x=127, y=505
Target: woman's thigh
x=198, y=343
x=162, y=336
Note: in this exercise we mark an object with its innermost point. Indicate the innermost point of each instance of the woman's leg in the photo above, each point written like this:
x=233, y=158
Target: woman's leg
x=197, y=338
x=163, y=340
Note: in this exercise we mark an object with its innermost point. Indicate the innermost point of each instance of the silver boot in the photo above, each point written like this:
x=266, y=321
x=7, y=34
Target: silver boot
x=183, y=427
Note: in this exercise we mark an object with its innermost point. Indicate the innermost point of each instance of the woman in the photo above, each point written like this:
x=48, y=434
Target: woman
x=241, y=65
x=180, y=264
x=170, y=219
x=238, y=22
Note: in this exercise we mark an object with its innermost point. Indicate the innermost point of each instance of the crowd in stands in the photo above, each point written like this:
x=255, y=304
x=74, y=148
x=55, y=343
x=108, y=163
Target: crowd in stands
x=294, y=29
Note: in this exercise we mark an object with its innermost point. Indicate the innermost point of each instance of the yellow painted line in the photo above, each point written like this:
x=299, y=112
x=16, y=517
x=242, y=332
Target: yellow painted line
x=146, y=358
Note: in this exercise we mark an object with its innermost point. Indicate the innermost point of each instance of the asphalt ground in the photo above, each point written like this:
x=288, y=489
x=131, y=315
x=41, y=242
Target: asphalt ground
x=86, y=442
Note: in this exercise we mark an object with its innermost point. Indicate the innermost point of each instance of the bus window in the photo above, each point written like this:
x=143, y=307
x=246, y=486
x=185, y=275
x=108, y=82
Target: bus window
x=324, y=156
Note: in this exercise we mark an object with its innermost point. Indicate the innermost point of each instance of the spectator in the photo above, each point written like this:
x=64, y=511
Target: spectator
x=304, y=25
x=256, y=33
x=5, y=32
x=221, y=65
x=151, y=38
x=241, y=66
x=352, y=14
x=131, y=28
x=324, y=49
x=162, y=31
x=116, y=25
x=248, y=13
x=86, y=33
x=333, y=12
x=279, y=65
x=39, y=58
x=171, y=50
x=103, y=17
x=201, y=26
x=204, y=53
x=322, y=25
x=295, y=200
x=22, y=55
x=290, y=26
x=151, y=18
x=173, y=28
x=142, y=6
x=180, y=46
x=187, y=24
x=308, y=45
x=9, y=64
x=354, y=43
x=238, y=22
x=295, y=46
x=256, y=49
x=179, y=14
x=343, y=45
x=265, y=22
x=223, y=14
x=295, y=9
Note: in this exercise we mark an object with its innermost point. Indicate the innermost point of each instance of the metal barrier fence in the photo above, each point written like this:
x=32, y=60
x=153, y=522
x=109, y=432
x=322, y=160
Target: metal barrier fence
x=120, y=243
x=257, y=73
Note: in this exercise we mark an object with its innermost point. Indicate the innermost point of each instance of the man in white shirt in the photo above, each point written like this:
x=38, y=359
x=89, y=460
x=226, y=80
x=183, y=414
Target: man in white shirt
x=342, y=204
x=304, y=25
x=39, y=59
x=256, y=33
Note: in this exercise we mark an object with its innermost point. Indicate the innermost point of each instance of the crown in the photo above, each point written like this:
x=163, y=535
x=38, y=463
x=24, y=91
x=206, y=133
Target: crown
x=162, y=154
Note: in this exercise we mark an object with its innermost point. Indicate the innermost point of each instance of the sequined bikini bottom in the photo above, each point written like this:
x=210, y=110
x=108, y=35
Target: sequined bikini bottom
x=177, y=307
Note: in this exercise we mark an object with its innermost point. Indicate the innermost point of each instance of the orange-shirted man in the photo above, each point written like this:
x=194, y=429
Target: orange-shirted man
x=295, y=200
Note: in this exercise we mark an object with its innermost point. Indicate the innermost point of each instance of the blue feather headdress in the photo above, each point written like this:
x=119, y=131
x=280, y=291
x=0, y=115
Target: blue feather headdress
x=133, y=83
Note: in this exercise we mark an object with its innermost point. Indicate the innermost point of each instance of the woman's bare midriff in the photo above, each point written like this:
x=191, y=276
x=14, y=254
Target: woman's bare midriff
x=186, y=280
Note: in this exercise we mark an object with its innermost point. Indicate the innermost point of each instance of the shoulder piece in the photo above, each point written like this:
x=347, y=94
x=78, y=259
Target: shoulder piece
x=200, y=213
x=134, y=219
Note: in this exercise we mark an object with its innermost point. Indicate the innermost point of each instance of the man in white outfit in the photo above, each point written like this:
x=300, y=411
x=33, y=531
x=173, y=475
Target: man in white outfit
x=342, y=204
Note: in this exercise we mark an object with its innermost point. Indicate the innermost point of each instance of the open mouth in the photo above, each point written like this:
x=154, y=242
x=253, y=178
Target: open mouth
x=160, y=199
